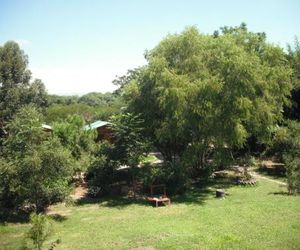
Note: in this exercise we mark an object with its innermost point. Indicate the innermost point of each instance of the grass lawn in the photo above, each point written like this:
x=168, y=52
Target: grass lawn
x=261, y=217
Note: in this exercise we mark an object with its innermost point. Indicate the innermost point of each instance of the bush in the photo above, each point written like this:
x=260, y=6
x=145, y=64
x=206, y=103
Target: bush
x=292, y=157
x=40, y=230
x=78, y=141
x=174, y=176
x=153, y=175
x=7, y=176
x=37, y=169
x=293, y=174
x=101, y=172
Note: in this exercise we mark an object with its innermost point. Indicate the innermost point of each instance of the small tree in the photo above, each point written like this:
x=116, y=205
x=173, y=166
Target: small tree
x=129, y=141
x=39, y=168
x=292, y=157
x=40, y=230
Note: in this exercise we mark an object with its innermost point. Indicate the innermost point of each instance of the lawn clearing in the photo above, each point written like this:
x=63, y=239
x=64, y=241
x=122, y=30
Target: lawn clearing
x=260, y=217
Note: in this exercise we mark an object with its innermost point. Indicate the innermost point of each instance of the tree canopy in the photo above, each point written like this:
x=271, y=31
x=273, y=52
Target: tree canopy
x=16, y=89
x=37, y=168
x=202, y=90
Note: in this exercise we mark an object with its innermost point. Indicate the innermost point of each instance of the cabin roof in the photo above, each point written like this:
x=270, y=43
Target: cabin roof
x=96, y=124
x=45, y=126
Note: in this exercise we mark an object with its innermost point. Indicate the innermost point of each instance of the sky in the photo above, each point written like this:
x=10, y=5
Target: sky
x=80, y=46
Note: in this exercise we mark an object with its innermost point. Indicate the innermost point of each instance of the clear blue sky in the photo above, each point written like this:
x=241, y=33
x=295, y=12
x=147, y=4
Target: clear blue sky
x=79, y=46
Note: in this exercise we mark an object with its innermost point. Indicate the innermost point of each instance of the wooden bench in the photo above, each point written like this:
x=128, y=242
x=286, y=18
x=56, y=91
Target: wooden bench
x=159, y=198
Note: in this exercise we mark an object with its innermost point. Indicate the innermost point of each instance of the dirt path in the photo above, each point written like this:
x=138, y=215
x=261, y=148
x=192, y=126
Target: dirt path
x=80, y=192
x=258, y=176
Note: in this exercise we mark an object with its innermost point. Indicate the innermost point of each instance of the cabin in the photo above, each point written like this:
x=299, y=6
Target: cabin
x=103, y=128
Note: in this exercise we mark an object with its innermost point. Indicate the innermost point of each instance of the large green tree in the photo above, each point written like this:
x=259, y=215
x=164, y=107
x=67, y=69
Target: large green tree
x=293, y=57
x=16, y=89
x=201, y=91
x=36, y=168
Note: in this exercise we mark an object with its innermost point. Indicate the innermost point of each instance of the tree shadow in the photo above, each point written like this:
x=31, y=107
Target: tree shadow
x=276, y=172
x=122, y=202
x=116, y=201
x=198, y=193
x=202, y=190
x=7, y=216
x=284, y=193
x=58, y=217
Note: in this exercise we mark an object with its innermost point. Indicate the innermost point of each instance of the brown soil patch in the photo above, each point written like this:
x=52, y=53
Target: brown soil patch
x=80, y=192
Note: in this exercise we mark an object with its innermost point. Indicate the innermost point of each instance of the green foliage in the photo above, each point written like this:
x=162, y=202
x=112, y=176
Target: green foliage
x=200, y=90
x=286, y=144
x=123, y=81
x=176, y=177
x=73, y=136
x=58, y=112
x=101, y=171
x=293, y=173
x=128, y=149
x=293, y=57
x=64, y=100
x=292, y=156
x=25, y=132
x=40, y=230
x=7, y=180
x=38, y=168
x=80, y=142
x=97, y=99
x=91, y=106
x=15, y=87
x=129, y=142
x=37, y=94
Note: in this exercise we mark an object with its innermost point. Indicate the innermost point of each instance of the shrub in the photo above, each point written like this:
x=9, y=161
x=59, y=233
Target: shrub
x=101, y=170
x=40, y=230
x=78, y=141
x=291, y=156
x=293, y=174
x=37, y=168
x=174, y=176
x=7, y=175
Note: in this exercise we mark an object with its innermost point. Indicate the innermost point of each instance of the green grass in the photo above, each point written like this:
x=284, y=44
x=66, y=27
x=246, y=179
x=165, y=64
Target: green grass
x=261, y=217
x=149, y=159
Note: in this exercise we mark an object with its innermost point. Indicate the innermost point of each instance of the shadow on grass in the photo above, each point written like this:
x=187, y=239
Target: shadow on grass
x=113, y=201
x=197, y=194
x=13, y=217
x=283, y=193
x=203, y=190
x=24, y=217
x=274, y=172
x=57, y=217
